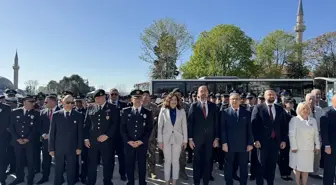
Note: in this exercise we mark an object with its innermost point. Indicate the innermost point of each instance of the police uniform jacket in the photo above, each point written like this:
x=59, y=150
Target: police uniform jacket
x=100, y=121
x=136, y=127
x=66, y=134
x=24, y=125
x=5, y=112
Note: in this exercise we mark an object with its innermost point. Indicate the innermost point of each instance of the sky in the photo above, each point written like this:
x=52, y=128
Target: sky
x=100, y=39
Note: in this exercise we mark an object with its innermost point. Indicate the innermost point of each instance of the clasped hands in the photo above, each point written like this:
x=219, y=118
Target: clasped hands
x=135, y=144
x=22, y=141
x=78, y=152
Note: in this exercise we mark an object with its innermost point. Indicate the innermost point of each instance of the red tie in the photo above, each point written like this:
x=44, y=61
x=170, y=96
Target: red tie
x=272, y=119
x=204, y=110
x=50, y=114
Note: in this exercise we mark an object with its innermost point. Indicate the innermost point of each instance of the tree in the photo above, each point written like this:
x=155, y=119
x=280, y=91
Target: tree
x=225, y=50
x=74, y=83
x=274, y=51
x=296, y=66
x=163, y=43
x=122, y=89
x=31, y=86
x=322, y=54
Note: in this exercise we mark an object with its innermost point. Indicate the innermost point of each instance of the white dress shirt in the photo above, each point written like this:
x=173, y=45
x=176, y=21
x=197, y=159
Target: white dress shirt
x=134, y=109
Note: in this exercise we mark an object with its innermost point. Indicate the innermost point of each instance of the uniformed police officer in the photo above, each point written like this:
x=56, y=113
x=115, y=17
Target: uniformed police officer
x=46, y=116
x=136, y=128
x=79, y=106
x=100, y=127
x=24, y=122
x=5, y=112
x=118, y=147
x=66, y=140
x=152, y=143
x=39, y=105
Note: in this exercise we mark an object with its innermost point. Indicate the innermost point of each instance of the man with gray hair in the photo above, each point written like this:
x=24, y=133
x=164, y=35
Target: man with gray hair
x=319, y=102
x=317, y=112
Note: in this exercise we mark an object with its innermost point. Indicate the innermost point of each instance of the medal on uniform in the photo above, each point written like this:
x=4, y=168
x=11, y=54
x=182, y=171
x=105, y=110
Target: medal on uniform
x=144, y=116
x=107, y=117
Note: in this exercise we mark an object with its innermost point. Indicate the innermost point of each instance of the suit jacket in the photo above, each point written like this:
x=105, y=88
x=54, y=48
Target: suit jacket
x=200, y=129
x=101, y=122
x=66, y=134
x=262, y=125
x=45, y=121
x=236, y=131
x=328, y=128
x=24, y=126
x=169, y=133
x=120, y=105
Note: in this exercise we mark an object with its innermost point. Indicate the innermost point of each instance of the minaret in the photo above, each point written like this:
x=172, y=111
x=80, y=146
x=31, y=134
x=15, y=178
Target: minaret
x=16, y=71
x=300, y=27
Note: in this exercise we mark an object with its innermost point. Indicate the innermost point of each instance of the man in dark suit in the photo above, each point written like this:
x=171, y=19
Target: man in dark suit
x=24, y=126
x=118, y=147
x=46, y=116
x=66, y=140
x=328, y=130
x=203, y=134
x=5, y=112
x=270, y=133
x=237, y=139
x=100, y=127
x=136, y=128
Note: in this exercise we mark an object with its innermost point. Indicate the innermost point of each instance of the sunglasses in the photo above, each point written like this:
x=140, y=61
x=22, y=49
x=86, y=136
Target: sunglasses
x=69, y=102
x=114, y=94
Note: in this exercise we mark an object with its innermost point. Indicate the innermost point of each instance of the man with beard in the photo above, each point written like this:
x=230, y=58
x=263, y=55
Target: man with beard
x=270, y=133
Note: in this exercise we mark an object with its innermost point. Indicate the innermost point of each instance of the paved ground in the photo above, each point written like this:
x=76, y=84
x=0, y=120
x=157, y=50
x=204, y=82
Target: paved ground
x=218, y=175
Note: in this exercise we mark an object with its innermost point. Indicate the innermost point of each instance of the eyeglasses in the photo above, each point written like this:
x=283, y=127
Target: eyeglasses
x=69, y=102
x=114, y=94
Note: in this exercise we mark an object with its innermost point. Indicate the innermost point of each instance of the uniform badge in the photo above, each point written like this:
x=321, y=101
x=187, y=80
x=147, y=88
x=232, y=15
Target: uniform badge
x=144, y=116
x=75, y=121
x=107, y=117
x=32, y=116
x=108, y=110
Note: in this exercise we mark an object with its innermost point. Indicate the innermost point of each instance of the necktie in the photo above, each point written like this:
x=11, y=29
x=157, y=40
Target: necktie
x=236, y=113
x=272, y=119
x=136, y=111
x=204, y=110
x=50, y=114
x=67, y=114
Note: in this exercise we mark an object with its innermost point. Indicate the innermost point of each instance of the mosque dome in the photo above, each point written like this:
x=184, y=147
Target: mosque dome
x=5, y=83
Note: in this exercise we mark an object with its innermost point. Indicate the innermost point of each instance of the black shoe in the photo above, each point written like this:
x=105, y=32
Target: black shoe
x=16, y=181
x=221, y=167
x=30, y=183
x=123, y=178
x=10, y=172
x=235, y=177
x=3, y=183
x=252, y=178
x=212, y=178
x=289, y=178
x=285, y=178
x=43, y=180
x=183, y=175
x=189, y=161
x=315, y=176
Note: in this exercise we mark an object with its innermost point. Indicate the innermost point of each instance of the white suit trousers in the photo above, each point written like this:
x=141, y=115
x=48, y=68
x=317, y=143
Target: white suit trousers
x=171, y=154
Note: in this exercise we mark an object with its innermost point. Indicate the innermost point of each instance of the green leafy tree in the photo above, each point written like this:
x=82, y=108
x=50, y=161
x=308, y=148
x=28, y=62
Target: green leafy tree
x=274, y=51
x=163, y=43
x=74, y=83
x=225, y=50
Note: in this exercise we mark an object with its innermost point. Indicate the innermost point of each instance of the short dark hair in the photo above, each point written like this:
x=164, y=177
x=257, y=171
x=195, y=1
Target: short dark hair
x=167, y=100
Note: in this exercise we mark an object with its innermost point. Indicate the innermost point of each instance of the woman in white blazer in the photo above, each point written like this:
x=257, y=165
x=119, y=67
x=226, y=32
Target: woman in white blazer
x=172, y=135
x=304, y=142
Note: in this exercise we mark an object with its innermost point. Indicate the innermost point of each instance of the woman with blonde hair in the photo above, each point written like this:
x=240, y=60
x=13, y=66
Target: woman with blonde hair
x=172, y=135
x=304, y=142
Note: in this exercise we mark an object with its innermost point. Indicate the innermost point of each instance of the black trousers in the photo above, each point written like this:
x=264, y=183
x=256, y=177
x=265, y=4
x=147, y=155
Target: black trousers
x=329, y=168
x=202, y=162
x=105, y=150
x=118, y=149
x=11, y=159
x=22, y=152
x=37, y=154
x=254, y=163
x=268, y=155
x=84, y=163
x=3, y=158
x=283, y=161
x=132, y=155
x=241, y=159
x=46, y=160
x=70, y=159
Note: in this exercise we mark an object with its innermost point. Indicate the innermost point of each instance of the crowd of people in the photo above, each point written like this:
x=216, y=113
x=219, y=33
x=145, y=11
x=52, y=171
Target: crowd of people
x=232, y=129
